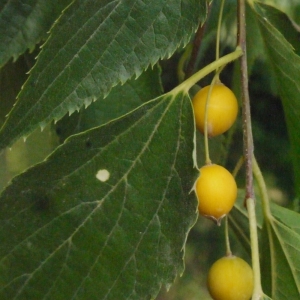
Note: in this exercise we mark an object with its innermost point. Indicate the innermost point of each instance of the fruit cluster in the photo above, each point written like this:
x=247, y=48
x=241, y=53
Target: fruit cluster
x=215, y=110
x=215, y=188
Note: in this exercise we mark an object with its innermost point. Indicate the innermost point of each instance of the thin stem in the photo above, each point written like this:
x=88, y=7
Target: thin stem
x=196, y=46
x=265, y=206
x=262, y=189
x=184, y=58
x=238, y=166
x=188, y=83
x=247, y=128
x=257, y=291
x=227, y=240
x=248, y=151
x=206, y=144
x=219, y=30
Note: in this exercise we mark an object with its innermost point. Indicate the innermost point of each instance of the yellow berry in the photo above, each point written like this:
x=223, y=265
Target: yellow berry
x=222, y=109
x=230, y=278
x=216, y=191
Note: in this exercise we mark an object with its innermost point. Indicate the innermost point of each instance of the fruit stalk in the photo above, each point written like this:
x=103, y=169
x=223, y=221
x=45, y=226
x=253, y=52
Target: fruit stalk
x=263, y=190
x=264, y=200
x=215, y=79
x=219, y=33
x=227, y=240
x=224, y=60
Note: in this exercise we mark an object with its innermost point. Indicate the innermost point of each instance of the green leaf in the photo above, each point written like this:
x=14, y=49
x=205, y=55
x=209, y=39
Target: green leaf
x=282, y=23
x=286, y=66
x=284, y=249
x=94, y=46
x=24, y=23
x=121, y=100
x=106, y=216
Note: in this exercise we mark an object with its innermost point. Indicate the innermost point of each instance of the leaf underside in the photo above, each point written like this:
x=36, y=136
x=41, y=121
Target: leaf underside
x=106, y=216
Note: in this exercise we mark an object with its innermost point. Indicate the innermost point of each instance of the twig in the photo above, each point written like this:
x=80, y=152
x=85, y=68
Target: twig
x=196, y=46
x=248, y=151
x=247, y=128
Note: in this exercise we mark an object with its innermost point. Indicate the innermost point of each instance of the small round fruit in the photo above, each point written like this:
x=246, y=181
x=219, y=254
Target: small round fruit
x=230, y=278
x=222, y=109
x=216, y=191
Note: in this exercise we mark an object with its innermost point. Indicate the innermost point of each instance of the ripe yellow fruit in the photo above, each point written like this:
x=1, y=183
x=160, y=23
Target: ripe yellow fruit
x=230, y=278
x=222, y=109
x=216, y=191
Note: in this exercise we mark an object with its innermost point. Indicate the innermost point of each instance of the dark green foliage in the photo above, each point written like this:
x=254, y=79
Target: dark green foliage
x=116, y=238
x=106, y=215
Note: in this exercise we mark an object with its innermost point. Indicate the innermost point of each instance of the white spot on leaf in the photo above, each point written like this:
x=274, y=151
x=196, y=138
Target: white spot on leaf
x=103, y=175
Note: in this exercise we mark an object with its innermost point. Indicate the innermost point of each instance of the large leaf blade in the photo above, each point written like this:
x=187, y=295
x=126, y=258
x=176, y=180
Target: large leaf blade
x=94, y=46
x=283, y=241
x=285, y=63
x=109, y=238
